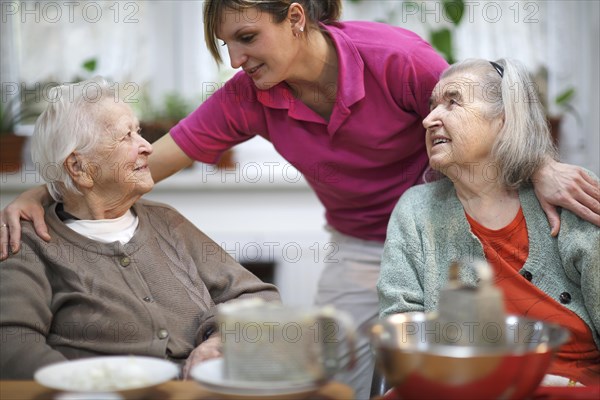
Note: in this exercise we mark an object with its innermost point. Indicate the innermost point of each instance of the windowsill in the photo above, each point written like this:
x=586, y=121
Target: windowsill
x=257, y=168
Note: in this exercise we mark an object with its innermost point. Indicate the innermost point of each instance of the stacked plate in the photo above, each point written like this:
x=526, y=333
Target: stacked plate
x=210, y=375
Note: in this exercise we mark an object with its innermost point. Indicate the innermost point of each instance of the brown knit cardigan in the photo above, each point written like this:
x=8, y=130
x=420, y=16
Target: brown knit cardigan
x=74, y=297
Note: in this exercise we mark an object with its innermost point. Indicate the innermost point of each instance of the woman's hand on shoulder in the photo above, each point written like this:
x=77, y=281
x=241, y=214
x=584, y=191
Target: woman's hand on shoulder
x=29, y=206
x=567, y=186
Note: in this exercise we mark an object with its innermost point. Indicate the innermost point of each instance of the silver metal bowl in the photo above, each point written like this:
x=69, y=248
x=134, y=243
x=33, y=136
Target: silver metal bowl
x=416, y=356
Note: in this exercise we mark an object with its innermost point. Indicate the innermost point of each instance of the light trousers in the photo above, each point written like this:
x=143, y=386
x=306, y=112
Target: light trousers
x=348, y=282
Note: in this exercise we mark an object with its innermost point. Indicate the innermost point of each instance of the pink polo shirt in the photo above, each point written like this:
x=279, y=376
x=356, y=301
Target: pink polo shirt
x=373, y=147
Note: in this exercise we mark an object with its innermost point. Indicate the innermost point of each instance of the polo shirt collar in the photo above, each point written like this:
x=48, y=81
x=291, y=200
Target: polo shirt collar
x=351, y=85
x=351, y=77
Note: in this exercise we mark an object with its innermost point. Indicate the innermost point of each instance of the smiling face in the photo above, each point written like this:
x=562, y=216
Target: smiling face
x=266, y=50
x=119, y=167
x=459, y=131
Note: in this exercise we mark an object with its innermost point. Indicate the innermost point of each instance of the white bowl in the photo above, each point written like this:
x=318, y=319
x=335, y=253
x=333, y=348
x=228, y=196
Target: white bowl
x=130, y=375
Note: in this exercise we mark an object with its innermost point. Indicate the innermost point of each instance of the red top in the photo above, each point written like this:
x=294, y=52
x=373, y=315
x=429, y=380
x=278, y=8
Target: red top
x=370, y=151
x=507, y=250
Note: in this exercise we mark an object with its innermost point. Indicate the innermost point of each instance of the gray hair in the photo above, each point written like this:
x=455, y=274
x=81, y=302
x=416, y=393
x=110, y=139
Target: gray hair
x=524, y=141
x=68, y=124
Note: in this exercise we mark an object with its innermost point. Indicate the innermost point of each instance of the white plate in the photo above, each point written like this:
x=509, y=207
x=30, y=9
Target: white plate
x=210, y=375
x=111, y=373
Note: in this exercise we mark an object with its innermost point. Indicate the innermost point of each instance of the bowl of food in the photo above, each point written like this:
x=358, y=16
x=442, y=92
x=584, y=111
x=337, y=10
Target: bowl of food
x=130, y=376
x=414, y=353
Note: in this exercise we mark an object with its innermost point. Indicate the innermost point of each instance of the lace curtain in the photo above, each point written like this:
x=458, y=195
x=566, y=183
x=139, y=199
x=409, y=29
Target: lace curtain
x=159, y=46
x=561, y=35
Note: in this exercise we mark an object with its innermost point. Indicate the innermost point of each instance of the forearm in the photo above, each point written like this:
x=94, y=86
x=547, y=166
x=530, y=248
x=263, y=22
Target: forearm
x=569, y=187
x=395, y=298
x=224, y=277
x=400, y=287
x=167, y=158
x=547, y=167
x=23, y=351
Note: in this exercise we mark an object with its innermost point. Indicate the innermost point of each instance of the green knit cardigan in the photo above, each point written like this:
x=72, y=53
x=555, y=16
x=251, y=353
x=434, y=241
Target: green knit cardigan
x=428, y=230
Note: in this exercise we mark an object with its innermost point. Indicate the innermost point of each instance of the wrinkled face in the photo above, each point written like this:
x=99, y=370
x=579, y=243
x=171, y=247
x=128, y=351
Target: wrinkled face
x=264, y=49
x=459, y=131
x=120, y=165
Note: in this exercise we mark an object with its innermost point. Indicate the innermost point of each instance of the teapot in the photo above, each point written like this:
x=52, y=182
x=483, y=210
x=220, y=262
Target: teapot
x=471, y=315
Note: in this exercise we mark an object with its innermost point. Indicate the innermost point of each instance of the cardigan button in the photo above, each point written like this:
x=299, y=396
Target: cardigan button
x=147, y=299
x=125, y=261
x=565, y=297
x=162, y=334
x=527, y=275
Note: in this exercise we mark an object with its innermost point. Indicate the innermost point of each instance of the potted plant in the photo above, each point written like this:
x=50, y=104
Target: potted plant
x=562, y=103
x=16, y=109
x=12, y=113
x=157, y=121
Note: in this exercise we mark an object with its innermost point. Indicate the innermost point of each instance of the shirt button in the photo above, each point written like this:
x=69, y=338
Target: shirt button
x=147, y=299
x=162, y=334
x=527, y=275
x=125, y=261
x=565, y=297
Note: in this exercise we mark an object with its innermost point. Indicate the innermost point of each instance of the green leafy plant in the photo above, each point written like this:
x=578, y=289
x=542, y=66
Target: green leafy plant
x=561, y=104
x=176, y=107
x=90, y=65
x=564, y=101
x=558, y=107
x=12, y=113
x=157, y=119
x=442, y=39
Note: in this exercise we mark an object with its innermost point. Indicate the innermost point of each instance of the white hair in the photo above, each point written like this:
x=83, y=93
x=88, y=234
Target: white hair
x=69, y=123
x=524, y=141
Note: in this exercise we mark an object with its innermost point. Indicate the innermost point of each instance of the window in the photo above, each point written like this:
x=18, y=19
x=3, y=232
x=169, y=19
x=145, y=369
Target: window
x=159, y=47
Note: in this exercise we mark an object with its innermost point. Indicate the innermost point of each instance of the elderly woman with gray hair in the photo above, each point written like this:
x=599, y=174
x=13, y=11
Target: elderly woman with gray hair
x=121, y=275
x=487, y=134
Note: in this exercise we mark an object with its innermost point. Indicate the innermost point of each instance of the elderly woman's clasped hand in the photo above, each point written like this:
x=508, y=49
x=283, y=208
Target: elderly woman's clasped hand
x=210, y=348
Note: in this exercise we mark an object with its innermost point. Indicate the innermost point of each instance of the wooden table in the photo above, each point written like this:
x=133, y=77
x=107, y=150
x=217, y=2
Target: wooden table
x=542, y=393
x=173, y=390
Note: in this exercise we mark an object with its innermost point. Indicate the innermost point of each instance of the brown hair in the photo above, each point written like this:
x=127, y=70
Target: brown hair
x=324, y=11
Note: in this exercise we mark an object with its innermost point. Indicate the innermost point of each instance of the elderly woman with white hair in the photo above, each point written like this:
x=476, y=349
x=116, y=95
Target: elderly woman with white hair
x=487, y=134
x=121, y=275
